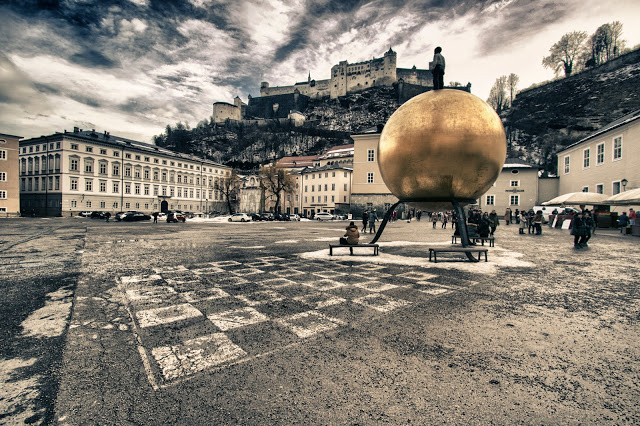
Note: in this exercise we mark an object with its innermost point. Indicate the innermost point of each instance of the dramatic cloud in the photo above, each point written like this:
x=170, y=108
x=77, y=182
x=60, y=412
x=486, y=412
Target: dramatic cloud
x=133, y=66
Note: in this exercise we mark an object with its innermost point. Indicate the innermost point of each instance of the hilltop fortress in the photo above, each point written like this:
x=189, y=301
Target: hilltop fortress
x=279, y=102
x=349, y=78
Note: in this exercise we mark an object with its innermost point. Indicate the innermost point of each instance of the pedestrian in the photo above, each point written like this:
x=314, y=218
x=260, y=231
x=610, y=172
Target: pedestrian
x=537, y=223
x=419, y=215
x=530, y=216
x=395, y=215
x=373, y=217
x=589, y=225
x=578, y=231
x=445, y=219
x=632, y=217
x=409, y=216
x=484, y=228
x=107, y=216
x=623, y=222
x=155, y=217
x=352, y=236
x=365, y=220
x=494, y=221
x=434, y=220
x=517, y=217
x=437, y=68
x=507, y=216
x=523, y=221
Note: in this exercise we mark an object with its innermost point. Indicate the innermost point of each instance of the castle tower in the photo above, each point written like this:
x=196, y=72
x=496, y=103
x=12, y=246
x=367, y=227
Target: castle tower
x=390, y=58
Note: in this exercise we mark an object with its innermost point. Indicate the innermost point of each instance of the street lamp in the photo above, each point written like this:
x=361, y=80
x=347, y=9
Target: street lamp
x=624, y=183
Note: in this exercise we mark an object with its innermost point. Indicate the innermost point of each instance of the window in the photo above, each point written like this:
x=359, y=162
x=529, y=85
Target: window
x=127, y=155
x=127, y=188
x=325, y=186
x=88, y=185
x=73, y=165
x=36, y=184
x=127, y=205
x=514, y=183
x=103, y=186
x=371, y=155
x=88, y=204
x=566, y=164
x=116, y=187
x=103, y=168
x=74, y=146
x=103, y=151
x=147, y=159
x=3, y=176
x=586, y=158
x=345, y=186
x=313, y=188
x=89, y=148
x=137, y=189
x=74, y=184
x=88, y=167
x=615, y=188
x=617, y=148
x=146, y=174
x=103, y=204
x=370, y=177
x=56, y=186
x=3, y=154
x=491, y=200
x=127, y=171
x=116, y=170
x=600, y=188
x=146, y=190
x=74, y=203
x=514, y=200
x=115, y=204
x=333, y=186
x=116, y=154
x=600, y=154
x=138, y=157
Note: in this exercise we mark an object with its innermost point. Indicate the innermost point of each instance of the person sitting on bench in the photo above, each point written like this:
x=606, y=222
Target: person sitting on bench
x=352, y=236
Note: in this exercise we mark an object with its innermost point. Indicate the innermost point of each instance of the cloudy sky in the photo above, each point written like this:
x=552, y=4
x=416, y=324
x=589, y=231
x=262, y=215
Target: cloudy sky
x=133, y=66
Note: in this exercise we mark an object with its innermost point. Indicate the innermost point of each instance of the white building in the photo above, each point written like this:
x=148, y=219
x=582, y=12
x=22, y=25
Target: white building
x=66, y=173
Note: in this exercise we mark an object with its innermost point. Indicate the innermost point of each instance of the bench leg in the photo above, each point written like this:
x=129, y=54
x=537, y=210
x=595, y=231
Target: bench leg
x=351, y=250
x=485, y=257
x=330, y=251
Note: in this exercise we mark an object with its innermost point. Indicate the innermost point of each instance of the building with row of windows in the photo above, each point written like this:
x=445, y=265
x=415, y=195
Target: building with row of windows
x=606, y=162
x=66, y=173
x=9, y=176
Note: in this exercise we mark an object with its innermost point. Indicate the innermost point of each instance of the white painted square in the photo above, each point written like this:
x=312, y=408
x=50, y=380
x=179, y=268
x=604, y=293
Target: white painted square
x=380, y=302
x=324, y=284
x=320, y=300
x=196, y=355
x=247, y=271
x=177, y=282
x=169, y=314
x=329, y=274
x=260, y=297
x=373, y=274
x=223, y=263
x=287, y=272
x=140, y=279
x=167, y=269
x=228, y=280
x=204, y=294
x=431, y=284
x=258, y=264
x=375, y=286
x=306, y=324
x=149, y=294
x=272, y=259
x=277, y=282
x=369, y=267
x=418, y=276
x=435, y=291
x=236, y=318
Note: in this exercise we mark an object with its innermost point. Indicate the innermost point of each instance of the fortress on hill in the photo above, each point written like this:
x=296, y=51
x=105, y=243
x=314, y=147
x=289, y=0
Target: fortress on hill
x=349, y=78
x=281, y=102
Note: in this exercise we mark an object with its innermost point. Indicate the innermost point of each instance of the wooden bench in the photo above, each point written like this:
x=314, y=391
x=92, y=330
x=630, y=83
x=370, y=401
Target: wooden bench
x=491, y=240
x=478, y=250
x=351, y=247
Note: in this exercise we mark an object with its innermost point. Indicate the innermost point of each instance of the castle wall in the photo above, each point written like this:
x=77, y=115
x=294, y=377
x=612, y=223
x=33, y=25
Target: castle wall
x=276, y=106
x=415, y=76
x=223, y=111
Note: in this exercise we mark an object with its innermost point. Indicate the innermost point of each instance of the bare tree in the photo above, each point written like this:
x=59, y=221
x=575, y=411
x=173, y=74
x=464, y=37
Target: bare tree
x=230, y=188
x=512, y=84
x=276, y=180
x=498, y=94
x=564, y=52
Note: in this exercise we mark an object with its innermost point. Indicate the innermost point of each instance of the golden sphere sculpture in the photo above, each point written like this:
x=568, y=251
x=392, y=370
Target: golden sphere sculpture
x=442, y=145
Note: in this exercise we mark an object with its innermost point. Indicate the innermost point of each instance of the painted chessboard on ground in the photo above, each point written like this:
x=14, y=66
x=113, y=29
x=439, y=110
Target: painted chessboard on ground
x=213, y=315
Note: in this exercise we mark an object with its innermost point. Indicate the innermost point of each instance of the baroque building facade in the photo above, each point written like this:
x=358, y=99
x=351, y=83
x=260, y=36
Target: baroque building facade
x=9, y=175
x=66, y=173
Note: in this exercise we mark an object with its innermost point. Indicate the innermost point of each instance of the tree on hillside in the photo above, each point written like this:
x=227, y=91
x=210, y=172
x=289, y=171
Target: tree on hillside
x=276, y=181
x=512, y=84
x=498, y=94
x=606, y=43
x=230, y=188
x=564, y=52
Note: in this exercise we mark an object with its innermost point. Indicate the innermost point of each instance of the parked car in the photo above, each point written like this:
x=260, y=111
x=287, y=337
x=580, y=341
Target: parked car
x=85, y=214
x=135, y=217
x=294, y=217
x=256, y=217
x=118, y=216
x=280, y=217
x=267, y=216
x=240, y=217
x=97, y=215
x=323, y=216
x=175, y=216
x=341, y=217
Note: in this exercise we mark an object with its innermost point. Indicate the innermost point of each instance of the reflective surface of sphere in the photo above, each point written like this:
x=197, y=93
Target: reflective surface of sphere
x=440, y=145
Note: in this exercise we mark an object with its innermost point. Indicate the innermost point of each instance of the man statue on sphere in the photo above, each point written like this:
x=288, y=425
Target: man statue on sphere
x=437, y=68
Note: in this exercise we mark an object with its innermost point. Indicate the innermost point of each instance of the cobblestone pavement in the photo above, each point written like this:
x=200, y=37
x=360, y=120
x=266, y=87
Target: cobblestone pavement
x=205, y=323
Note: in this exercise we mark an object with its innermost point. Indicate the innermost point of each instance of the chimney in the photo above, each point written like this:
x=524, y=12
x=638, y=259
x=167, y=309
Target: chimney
x=76, y=130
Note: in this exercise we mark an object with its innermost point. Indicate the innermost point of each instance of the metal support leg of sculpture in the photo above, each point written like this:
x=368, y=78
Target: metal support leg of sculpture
x=387, y=216
x=462, y=228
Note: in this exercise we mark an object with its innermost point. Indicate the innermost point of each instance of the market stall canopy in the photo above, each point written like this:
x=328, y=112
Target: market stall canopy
x=577, y=199
x=626, y=198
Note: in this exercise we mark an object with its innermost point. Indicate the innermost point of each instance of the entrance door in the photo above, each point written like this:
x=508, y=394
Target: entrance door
x=164, y=206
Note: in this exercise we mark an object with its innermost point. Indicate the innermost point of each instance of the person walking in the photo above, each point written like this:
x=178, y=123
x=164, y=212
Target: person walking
x=623, y=222
x=578, y=231
x=373, y=217
x=445, y=219
x=434, y=220
x=437, y=68
x=537, y=223
x=155, y=217
x=517, y=216
x=632, y=217
x=589, y=225
x=365, y=220
x=107, y=215
x=523, y=222
x=507, y=216
x=494, y=221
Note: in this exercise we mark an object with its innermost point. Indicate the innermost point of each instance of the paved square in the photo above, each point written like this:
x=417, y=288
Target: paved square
x=158, y=316
x=237, y=318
